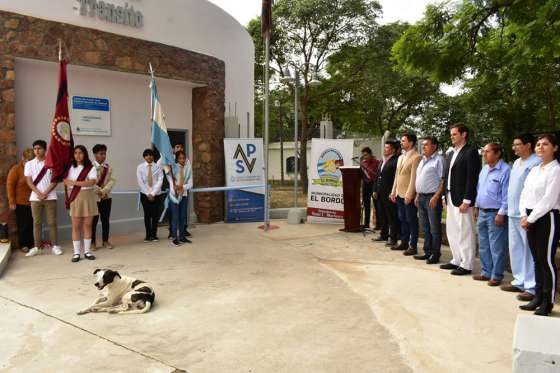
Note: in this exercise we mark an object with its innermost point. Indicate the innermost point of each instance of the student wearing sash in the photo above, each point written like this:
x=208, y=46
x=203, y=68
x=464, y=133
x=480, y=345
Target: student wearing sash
x=81, y=200
x=150, y=179
x=18, y=198
x=42, y=198
x=103, y=187
x=180, y=181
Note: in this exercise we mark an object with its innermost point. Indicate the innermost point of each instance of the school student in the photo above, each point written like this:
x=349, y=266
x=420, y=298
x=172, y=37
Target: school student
x=103, y=187
x=539, y=207
x=150, y=179
x=81, y=201
x=42, y=198
x=180, y=181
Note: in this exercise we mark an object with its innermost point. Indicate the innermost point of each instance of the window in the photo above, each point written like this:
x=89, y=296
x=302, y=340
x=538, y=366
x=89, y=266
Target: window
x=290, y=165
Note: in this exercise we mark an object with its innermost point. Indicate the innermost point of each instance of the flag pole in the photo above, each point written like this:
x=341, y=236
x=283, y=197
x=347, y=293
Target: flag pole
x=266, y=120
x=59, y=50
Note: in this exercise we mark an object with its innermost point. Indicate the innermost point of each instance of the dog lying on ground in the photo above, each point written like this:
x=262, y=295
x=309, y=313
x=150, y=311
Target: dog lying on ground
x=121, y=294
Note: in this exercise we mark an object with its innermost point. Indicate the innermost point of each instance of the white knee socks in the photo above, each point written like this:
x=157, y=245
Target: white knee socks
x=76, y=247
x=87, y=245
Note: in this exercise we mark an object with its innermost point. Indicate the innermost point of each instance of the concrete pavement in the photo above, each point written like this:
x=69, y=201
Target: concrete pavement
x=303, y=298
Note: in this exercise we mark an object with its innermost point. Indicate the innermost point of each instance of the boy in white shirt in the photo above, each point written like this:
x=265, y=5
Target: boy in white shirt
x=43, y=197
x=150, y=179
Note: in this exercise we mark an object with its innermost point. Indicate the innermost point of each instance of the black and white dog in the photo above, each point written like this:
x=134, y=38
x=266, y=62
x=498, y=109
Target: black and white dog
x=121, y=294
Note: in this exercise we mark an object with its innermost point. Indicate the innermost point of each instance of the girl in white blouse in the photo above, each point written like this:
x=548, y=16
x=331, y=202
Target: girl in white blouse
x=539, y=206
x=180, y=181
x=81, y=200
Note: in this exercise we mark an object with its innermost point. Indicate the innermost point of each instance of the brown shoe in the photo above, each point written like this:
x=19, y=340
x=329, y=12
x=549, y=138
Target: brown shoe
x=93, y=247
x=481, y=278
x=511, y=288
x=107, y=245
x=494, y=282
x=410, y=251
x=525, y=297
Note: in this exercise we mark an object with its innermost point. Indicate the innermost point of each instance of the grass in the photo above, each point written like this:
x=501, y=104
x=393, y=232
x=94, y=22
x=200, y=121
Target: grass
x=283, y=197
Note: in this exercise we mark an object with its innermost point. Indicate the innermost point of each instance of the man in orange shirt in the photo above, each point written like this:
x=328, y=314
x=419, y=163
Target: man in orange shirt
x=18, y=199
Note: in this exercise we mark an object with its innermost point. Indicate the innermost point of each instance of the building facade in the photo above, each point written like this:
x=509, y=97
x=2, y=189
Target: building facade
x=203, y=61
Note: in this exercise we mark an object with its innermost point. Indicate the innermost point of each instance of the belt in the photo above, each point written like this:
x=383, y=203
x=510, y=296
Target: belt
x=489, y=210
x=426, y=194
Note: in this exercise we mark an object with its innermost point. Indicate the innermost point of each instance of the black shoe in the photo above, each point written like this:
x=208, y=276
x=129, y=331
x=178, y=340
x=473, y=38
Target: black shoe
x=390, y=243
x=155, y=239
x=532, y=305
x=400, y=247
x=379, y=239
x=147, y=239
x=187, y=233
x=376, y=228
x=544, y=309
x=75, y=258
x=421, y=257
x=448, y=266
x=433, y=259
x=170, y=237
x=410, y=251
x=460, y=272
x=185, y=240
x=89, y=256
x=175, y=242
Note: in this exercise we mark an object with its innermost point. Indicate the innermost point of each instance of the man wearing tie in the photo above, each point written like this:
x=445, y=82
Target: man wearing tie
x=150, y=179
x=383, y=186
x=461, y=179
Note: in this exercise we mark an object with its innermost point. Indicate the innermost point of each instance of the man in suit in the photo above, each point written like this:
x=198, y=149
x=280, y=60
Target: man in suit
x=461, y=178
x=383, y=186
x=404, y=193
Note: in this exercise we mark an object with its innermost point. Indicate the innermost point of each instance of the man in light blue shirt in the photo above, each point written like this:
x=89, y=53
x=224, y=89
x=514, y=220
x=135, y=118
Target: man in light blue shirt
x=522, y=265
x=429, y=182
x=491, y=211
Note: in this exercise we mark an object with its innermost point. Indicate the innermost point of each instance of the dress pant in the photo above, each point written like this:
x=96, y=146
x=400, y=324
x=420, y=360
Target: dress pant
x=178, y=217
x=151, y=214
x=377, y=214
x=24, y=221
x=543, y=238
x=408, y=219
x=37, y=207
x=104, y=207
x=367, y=192
x=430, y=220
x=521, y=259
x=389, y=219
x=493, y=243
x=461, y=235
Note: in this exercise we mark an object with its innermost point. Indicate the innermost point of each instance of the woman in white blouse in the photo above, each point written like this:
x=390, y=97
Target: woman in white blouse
x=81, y=200
x=539, y=206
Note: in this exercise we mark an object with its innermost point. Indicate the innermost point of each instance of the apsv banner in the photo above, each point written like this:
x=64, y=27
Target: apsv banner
x=244, y=166
x=325, y=202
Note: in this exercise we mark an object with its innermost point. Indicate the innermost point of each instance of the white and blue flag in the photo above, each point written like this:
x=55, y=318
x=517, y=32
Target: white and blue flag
x=160, y=138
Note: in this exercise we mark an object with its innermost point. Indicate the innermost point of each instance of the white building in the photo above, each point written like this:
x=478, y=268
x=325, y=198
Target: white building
x=203, y=60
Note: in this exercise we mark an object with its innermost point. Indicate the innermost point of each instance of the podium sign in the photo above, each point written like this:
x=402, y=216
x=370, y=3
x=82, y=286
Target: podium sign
x=325, y=202
x=351, y=184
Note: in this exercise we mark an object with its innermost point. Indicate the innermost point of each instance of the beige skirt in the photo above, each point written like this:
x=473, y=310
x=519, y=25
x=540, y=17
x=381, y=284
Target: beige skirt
x=84, y=205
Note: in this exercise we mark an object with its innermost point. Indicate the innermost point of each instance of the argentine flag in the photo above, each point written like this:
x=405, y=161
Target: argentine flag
x=160, y=138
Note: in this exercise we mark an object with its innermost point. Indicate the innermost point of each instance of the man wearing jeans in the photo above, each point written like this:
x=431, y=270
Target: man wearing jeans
x=42, y=198
x=429, y=181
x=404, y=193
x=491, y=208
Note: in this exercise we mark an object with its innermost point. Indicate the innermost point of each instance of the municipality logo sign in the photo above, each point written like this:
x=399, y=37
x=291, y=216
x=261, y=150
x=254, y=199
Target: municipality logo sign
x=328, y=168
x=246, y=162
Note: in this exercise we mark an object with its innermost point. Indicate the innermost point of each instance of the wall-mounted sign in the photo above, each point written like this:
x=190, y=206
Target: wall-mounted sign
x=91, y=116
x=122, y=15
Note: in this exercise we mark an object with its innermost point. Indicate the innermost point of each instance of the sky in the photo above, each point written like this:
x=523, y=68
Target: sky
x=393, y=10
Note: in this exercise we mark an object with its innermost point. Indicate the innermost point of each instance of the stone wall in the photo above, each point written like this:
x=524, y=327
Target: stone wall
x=29, y=37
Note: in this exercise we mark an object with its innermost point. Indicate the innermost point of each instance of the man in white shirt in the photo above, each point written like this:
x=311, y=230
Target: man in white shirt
x=43, y=197
x=150, y=179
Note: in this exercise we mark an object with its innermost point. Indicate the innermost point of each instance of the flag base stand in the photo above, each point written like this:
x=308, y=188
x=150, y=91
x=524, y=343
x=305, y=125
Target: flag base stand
x=270, y=227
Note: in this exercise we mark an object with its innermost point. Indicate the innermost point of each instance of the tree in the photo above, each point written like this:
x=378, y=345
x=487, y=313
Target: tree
x=305, y=33
x=506, y=52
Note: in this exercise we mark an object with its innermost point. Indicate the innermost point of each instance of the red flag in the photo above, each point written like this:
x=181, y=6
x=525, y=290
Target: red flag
x=61, y=146
x=266, y=17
